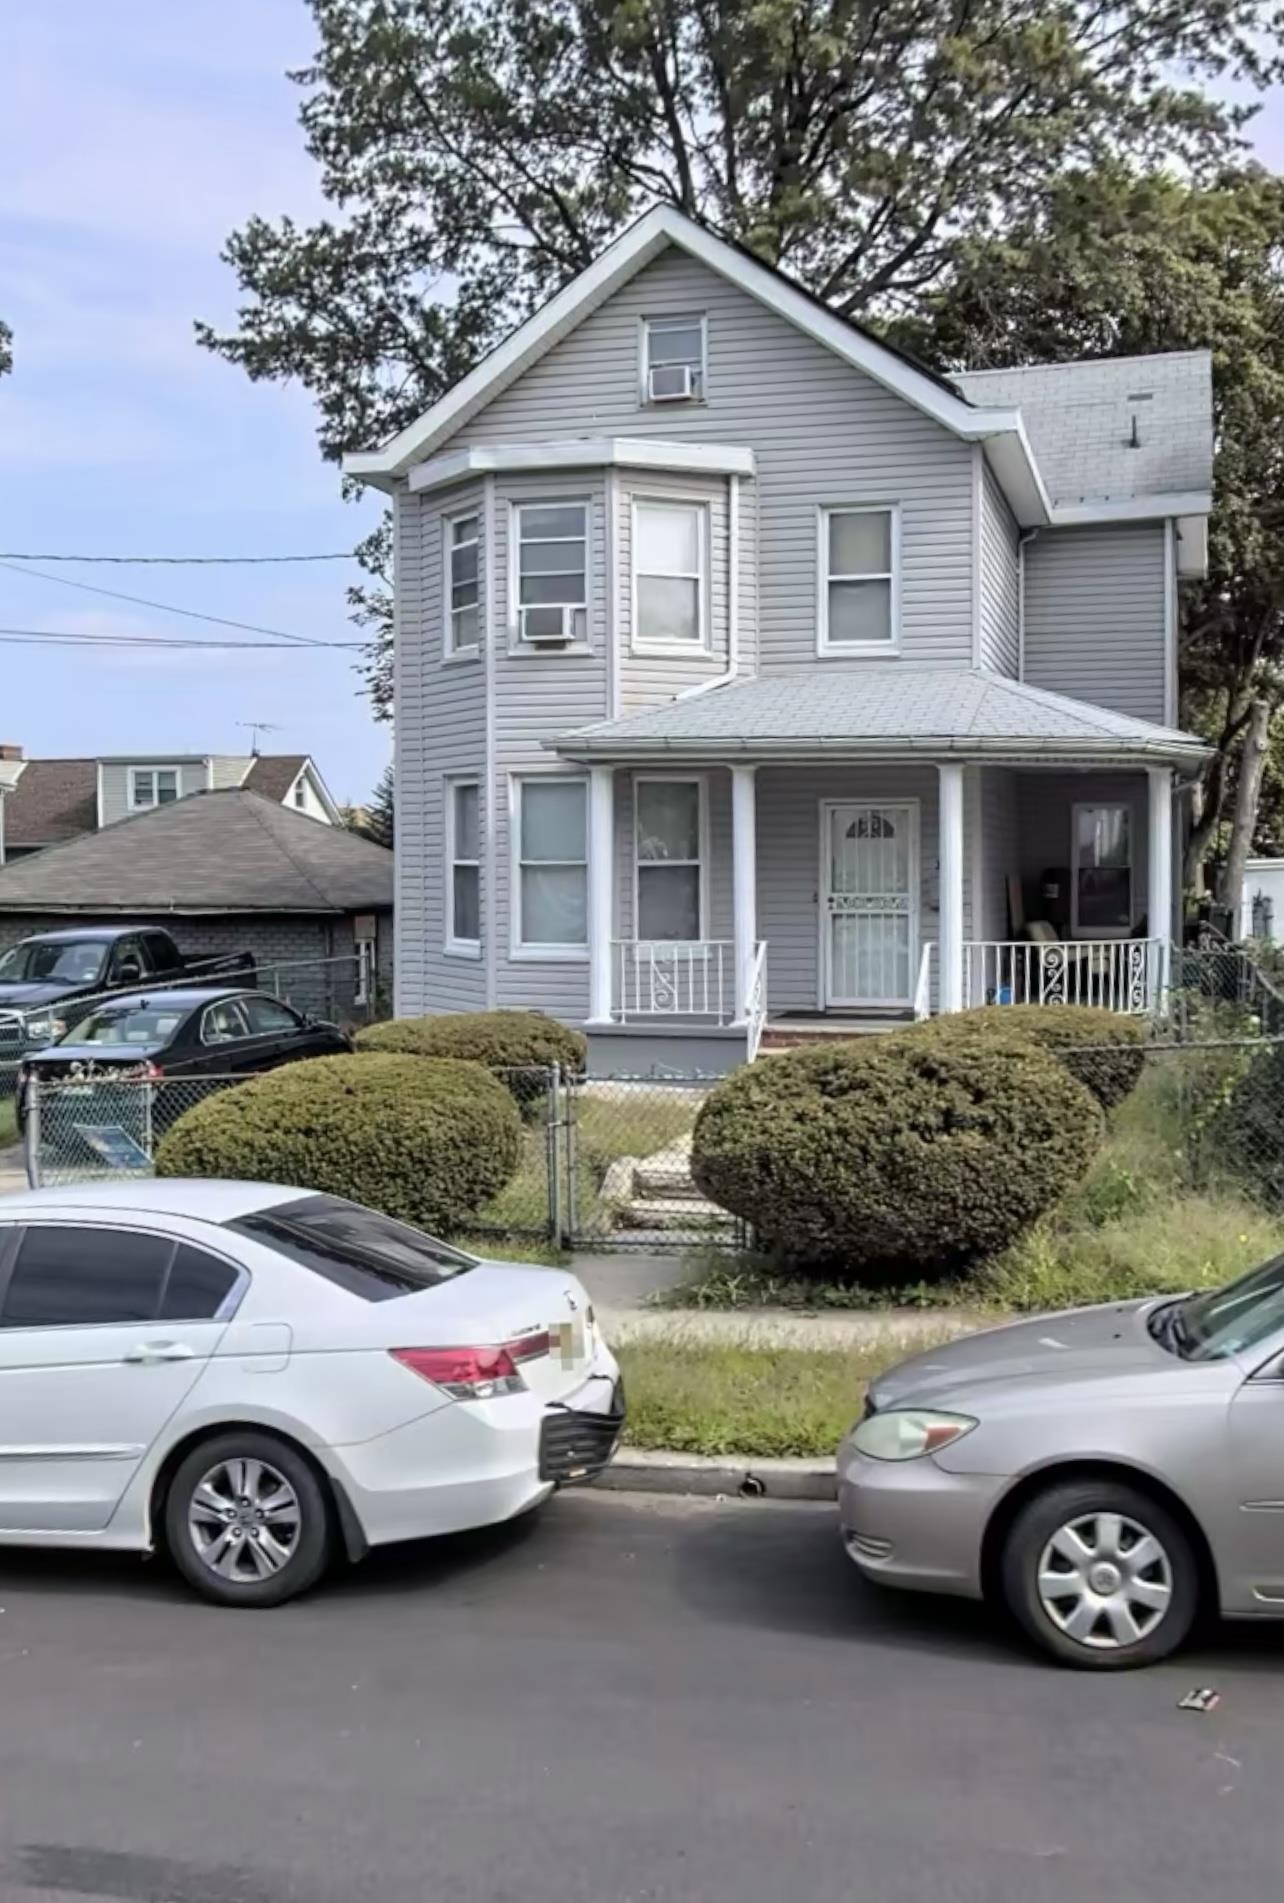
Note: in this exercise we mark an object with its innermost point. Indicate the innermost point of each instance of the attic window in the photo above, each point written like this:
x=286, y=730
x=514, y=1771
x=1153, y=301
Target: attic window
x=152, y=786
x=673, y=359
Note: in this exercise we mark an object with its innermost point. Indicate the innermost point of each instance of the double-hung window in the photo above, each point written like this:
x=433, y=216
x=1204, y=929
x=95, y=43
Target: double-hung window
x=550, y=578
x=670, y=570
x=152, y=786
x=460, y=555
x=463, y=866
x=673, y=359
x=551, y=832
x=858, y=580
x=1101, y=894
x=669, y=832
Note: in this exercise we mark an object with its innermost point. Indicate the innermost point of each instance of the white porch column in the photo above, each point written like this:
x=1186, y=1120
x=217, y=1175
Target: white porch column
x=744, y=879
x=601, y=889
x=1159, y=898
x=951, y=896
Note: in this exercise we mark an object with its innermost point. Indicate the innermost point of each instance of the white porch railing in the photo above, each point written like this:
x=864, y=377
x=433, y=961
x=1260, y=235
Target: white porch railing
x=1119, y=974
x=923, y=989
x=756, y=1013
x=693, y=978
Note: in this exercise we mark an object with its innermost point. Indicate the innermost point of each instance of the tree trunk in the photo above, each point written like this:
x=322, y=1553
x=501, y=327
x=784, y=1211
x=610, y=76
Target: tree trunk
x=1251, y=763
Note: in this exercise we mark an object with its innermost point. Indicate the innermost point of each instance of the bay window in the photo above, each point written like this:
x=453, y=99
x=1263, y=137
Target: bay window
x=550, y=572
x=670, y=569
x=551, y=852
x=669, y=857
x=463, y=866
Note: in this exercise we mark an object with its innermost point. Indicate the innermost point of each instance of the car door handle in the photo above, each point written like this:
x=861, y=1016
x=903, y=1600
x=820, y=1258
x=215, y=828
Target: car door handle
x=151, y=1351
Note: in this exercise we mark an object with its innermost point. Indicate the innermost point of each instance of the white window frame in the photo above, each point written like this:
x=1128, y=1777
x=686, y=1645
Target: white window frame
x=464, y=651
x=518, y=949
x=1100, y=932
x=639, y=501
x=824, y=646
x=578, y=644
x=153, y=772
x=452, y=946
x=701, y=782
x=671, y=320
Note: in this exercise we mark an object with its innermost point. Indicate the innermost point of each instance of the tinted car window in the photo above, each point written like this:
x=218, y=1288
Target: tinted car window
x=198, y=1286
x=363, y=1252
x=126, y=1024
x=161, y=952
x=267, y=1017
x=76, y=963
x=79, y=1276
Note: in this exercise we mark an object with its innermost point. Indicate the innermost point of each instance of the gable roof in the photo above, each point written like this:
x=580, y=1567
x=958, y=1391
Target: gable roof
x=273, y=774
x=52, y=800
x=883, y=711
x=227, y=851
x=1116, y=430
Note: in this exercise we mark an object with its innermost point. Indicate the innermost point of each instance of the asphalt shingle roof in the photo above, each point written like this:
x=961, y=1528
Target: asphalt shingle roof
x=273, y=774
x=880, y=709
x=229, y=851
x=1079, y=418
x=52, y=800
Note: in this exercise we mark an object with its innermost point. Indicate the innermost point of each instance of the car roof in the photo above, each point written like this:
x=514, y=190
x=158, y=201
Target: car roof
x=206, y=1200
x=188, y=996
x=76, y=934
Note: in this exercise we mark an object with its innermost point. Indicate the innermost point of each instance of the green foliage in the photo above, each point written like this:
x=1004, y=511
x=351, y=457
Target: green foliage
x=426, y=1142
x=6, y=349
x=896, y=1156
x=1242, y=1133
x=518, y=1046
x=1105, y=1050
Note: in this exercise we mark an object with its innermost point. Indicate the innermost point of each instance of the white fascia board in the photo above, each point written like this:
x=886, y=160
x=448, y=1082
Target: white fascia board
x=1192, y=502
x=1008, y=452
x=1192, y=547
x=636, y=247
x=585, y=452
x=310, y=771
x=1031, y=751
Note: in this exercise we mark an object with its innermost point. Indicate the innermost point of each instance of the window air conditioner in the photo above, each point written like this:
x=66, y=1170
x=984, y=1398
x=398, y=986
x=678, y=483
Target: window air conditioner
x=671, y=383
x=545, y=627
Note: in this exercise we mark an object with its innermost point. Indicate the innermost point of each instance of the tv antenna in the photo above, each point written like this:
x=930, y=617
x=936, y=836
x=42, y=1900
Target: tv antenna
x=257, y=727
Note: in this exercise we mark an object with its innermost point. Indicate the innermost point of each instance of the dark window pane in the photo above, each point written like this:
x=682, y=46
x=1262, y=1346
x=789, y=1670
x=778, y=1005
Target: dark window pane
x=77, y=1277
x=198, y=1286
x=553, y=521
x=359, y=1250
x=466, y=909
x=1105, y=899
x=266, y=1016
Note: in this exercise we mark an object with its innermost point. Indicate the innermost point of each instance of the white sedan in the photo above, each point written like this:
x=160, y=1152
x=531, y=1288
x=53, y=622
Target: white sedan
x=255, y=1378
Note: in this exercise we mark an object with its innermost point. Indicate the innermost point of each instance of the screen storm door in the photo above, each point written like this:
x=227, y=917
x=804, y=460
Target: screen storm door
x=869, y=902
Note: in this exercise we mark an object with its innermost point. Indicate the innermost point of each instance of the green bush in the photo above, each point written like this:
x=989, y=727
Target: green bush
x=1105, y=1050
x=518, y=1046
x=896, y=1157
x=1236, y=1128
x=427, y=1142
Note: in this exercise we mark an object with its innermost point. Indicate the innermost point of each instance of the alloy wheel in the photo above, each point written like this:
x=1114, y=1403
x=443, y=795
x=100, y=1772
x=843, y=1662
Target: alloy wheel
x=244, y=1520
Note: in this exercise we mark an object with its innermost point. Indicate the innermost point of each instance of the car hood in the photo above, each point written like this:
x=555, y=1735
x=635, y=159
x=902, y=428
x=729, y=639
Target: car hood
x=1075, y=1345
x=26, y=992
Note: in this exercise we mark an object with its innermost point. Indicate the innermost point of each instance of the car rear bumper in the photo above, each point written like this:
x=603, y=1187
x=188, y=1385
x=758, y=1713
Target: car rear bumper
x=910, y=1523
x=478, y=1463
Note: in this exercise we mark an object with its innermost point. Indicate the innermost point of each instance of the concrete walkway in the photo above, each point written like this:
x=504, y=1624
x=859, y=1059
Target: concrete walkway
x=13, y=1170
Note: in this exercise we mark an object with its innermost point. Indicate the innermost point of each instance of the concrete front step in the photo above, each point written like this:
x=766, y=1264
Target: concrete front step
x=792, y=1037
x=674, y=1212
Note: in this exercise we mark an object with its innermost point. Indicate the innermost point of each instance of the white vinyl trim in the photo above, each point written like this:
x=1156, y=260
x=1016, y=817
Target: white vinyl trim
x=153, y=772
x=825, y=872
x=519, y=950
x=672, y=320
x=583, y=452
x=701, y=783
x=1132, y=509
x=978, y=507
x=639, y=502
x=1170, y=623
x=490, y=791
x=848, y=649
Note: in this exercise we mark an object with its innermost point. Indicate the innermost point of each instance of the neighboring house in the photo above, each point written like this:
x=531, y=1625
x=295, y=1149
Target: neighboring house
x=748, y=672
x=50, y=801
x=226, y=871
x=1261, y=900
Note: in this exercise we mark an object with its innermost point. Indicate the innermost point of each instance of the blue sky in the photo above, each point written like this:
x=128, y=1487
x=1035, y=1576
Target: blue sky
x=135, y=136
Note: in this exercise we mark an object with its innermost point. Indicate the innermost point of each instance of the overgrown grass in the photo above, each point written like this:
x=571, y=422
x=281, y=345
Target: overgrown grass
x=8, y=1122
x=727, y=1398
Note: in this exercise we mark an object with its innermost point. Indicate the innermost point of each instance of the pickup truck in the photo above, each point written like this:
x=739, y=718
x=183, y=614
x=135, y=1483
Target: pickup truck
x=42, y=975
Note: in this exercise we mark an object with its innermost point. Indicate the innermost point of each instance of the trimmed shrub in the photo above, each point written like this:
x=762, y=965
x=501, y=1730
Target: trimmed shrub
x=428, y=1142
x=899, y=1157
x=1105, y=1050
x=518, y=1046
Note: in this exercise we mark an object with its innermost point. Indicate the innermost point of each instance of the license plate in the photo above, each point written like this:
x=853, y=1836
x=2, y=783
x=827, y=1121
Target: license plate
x=567, y=1340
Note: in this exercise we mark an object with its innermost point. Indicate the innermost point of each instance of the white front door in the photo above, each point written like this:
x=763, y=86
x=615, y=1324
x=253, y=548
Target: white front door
x=869, y=902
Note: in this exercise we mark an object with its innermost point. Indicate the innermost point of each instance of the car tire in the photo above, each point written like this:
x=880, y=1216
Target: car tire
x=247, y=1521
x=1078, y=1578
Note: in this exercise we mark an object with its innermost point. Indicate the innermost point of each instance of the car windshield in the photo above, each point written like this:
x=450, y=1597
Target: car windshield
x=367, y=1254
x=1236, y=1319
x=76, y=961
x=125, y=1025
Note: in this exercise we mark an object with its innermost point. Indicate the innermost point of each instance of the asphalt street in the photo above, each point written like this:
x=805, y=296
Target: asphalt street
x=621, y=1701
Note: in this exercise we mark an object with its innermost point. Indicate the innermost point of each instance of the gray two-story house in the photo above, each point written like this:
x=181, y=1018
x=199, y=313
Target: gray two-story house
x=751, y=678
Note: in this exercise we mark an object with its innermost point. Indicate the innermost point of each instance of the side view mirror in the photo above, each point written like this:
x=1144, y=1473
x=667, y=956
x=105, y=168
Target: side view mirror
x=130, y=972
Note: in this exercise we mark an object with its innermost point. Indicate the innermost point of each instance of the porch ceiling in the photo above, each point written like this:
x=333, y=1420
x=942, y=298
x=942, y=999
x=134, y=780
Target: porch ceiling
x=881, y=711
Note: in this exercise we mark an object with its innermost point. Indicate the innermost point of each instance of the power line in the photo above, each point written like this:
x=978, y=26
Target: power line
x=65, y=638
x=180, y=561
x=163, y=607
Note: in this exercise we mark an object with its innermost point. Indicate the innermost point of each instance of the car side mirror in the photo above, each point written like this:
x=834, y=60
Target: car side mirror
x=130, y=972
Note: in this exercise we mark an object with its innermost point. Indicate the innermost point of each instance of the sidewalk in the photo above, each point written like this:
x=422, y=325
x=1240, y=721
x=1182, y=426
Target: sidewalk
x=13, y=1170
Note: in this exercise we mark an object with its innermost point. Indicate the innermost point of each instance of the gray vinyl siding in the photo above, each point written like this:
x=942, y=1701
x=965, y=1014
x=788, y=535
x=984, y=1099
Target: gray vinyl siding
x=999, y=849
x=114, y=782
x=229, y=769
x=822, y=433
x=440, y=732
x=1000, y=625
x=652, y=679
x=1094, y=616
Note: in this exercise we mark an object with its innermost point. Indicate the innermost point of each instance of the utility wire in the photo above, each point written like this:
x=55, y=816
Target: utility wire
x=65, y=638
x=164, y=607
x=178, y=561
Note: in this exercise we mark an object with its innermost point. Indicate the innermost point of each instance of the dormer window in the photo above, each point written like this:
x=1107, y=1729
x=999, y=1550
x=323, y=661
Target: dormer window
x=152, y=786
x=673, y=359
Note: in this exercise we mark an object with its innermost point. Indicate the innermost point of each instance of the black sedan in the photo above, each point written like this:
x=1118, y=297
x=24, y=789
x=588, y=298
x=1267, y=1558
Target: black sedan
x=191, y=1033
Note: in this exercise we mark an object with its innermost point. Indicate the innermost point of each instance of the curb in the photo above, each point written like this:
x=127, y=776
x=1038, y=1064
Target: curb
x=643, y=1470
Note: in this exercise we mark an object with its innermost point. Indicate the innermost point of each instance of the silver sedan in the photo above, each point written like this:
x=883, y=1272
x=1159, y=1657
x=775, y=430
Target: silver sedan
x=1106, y=1473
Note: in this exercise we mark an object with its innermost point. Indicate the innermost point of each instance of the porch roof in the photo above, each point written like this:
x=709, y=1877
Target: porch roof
x=881, y=711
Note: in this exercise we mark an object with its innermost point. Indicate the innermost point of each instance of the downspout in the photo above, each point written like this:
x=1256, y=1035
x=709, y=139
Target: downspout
x=733, y=600
x=1028, y=536
x=491, y=829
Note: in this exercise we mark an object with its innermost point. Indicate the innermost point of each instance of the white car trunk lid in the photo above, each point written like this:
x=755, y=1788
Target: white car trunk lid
x=543, y=1316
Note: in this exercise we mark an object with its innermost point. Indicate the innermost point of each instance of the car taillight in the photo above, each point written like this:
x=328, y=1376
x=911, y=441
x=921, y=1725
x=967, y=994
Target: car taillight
x=150, y=1073
x=469, y=1374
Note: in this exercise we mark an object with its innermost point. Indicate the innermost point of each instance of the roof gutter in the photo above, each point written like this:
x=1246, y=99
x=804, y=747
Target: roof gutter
x=1030, y=750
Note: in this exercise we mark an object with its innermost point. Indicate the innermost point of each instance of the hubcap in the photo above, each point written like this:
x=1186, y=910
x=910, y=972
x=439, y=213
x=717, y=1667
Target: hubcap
x=244, y=1520
x=1105, y=1581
